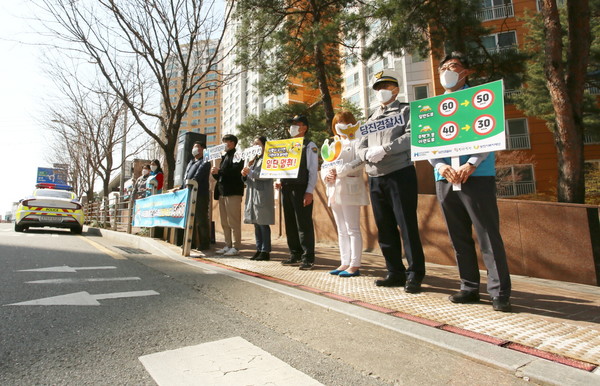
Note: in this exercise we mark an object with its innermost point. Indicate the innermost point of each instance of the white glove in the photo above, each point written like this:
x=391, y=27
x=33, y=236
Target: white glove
x=375, y=154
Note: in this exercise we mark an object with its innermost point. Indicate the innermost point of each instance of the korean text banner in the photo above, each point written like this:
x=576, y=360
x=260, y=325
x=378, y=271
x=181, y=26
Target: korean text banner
x=161, y=210
x=282, y=158
x=464, y=122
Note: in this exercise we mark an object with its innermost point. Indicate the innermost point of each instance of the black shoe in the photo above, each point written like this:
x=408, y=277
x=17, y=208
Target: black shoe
x=307, y=265
x=293, y=260
x=391, y=281
x=412, y=287
x=263, y=256
x=255, y=257
x=501, y=303
x=465, y=297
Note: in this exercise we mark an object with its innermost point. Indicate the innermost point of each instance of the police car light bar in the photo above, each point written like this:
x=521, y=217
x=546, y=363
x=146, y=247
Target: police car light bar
x=53, y=186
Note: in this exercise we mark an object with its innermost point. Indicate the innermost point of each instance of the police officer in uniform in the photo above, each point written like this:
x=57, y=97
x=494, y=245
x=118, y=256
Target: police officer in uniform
x=393, y=188
x=297, y=197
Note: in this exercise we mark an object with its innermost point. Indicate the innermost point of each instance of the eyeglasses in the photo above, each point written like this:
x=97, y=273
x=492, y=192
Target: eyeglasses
x=450, y=66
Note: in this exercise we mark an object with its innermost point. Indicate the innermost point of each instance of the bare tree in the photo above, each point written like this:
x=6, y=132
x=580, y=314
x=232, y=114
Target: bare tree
x=136, y=43
x=88, y=124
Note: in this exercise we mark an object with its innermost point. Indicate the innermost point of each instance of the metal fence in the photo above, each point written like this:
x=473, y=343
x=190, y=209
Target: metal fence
x=115, y=214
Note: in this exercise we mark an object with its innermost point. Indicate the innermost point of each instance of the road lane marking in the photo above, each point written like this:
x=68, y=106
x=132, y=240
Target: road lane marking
x=102, y=248
x=233, y=361
x=76, y=281
x=66, y=268
x=82, y=299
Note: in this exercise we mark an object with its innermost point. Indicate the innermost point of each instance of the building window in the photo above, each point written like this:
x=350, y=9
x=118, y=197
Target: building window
x=210, y=102
x=514, y=180
x=354, y=99
x=195, y=122
x=210, y=94
x=517, y=134
x=421, y=92
x=183, y=124
x=210, y=120
x=196, y=130
x=196, y=113
x=211, y=138
x=212, y=111
x=172, y=91
x=195, y=105
x=500, y=42
x=211, y=76
x=210, y=129
x=352, y=81
x=495, y=9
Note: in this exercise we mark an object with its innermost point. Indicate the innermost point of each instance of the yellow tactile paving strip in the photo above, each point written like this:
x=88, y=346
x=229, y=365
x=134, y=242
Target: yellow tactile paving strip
x=572, y=341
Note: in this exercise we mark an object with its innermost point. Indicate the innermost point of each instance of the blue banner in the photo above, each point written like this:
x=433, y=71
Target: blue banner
x=161, y=210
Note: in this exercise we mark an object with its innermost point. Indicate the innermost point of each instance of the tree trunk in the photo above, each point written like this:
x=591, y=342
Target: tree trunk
x=323, y=87
x=566, y=93
x=169, y=166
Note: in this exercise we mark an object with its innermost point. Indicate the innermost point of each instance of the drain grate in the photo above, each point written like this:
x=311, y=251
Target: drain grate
x=133, y=251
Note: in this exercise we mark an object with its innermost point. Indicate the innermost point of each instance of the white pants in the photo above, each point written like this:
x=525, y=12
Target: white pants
x=347, y=218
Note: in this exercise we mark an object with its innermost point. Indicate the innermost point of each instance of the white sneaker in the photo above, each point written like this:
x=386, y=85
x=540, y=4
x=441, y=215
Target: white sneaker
x=222, y=250
x=232, y=252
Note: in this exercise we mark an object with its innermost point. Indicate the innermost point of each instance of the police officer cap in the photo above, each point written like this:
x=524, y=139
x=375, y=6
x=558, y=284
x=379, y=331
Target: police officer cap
x=386, y=75
x=299, y=118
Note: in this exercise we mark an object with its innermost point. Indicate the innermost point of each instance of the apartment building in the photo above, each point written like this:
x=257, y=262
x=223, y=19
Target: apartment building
x=204, y=112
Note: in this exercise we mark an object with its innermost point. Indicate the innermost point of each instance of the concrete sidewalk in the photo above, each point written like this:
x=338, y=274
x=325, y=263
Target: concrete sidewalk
x=556, y=321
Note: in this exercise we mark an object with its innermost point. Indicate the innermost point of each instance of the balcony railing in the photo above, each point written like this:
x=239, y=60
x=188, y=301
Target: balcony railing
x=496, y=12
x=510, y=94
x=513, y=189
x=520, y=141
x=589, y=139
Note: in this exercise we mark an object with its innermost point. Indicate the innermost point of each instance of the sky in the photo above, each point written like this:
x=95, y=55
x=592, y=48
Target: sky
x=23, y=143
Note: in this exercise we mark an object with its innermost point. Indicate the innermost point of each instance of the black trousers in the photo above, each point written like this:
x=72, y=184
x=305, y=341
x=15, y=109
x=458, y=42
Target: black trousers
x=299, y=227
x=475, y=206
x=201, y=232
x=394, y=202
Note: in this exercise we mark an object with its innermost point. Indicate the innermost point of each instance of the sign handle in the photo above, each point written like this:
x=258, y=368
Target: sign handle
x=455, y=165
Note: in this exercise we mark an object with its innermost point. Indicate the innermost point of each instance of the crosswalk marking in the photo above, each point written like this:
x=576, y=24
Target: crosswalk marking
x=233, y=361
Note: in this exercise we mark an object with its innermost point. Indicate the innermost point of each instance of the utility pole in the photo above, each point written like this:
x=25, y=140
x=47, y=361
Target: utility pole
x=123, y=152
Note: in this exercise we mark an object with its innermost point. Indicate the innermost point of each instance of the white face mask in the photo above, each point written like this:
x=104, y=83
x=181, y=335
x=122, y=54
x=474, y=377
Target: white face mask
x=449, y=79
x=383, y=95
x=153, y=167
x=145, y=172
x=195, y=151
x=294, y=130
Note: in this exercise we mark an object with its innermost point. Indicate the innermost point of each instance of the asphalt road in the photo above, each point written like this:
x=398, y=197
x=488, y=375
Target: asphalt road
x=124, y=304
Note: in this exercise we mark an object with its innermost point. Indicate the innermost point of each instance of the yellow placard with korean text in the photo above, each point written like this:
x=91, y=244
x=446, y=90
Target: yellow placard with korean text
x=282, y=158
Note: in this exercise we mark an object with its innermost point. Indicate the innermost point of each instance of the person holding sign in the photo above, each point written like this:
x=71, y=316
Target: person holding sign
x=297, y=197
x=198, y=169
x=473, y=205
x=346, y=193
x=260, y=203
x=229, y=191
x=393, y=185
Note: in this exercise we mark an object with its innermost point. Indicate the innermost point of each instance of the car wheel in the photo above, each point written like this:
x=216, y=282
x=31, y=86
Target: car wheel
x=19, y=228
x=77, y=231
